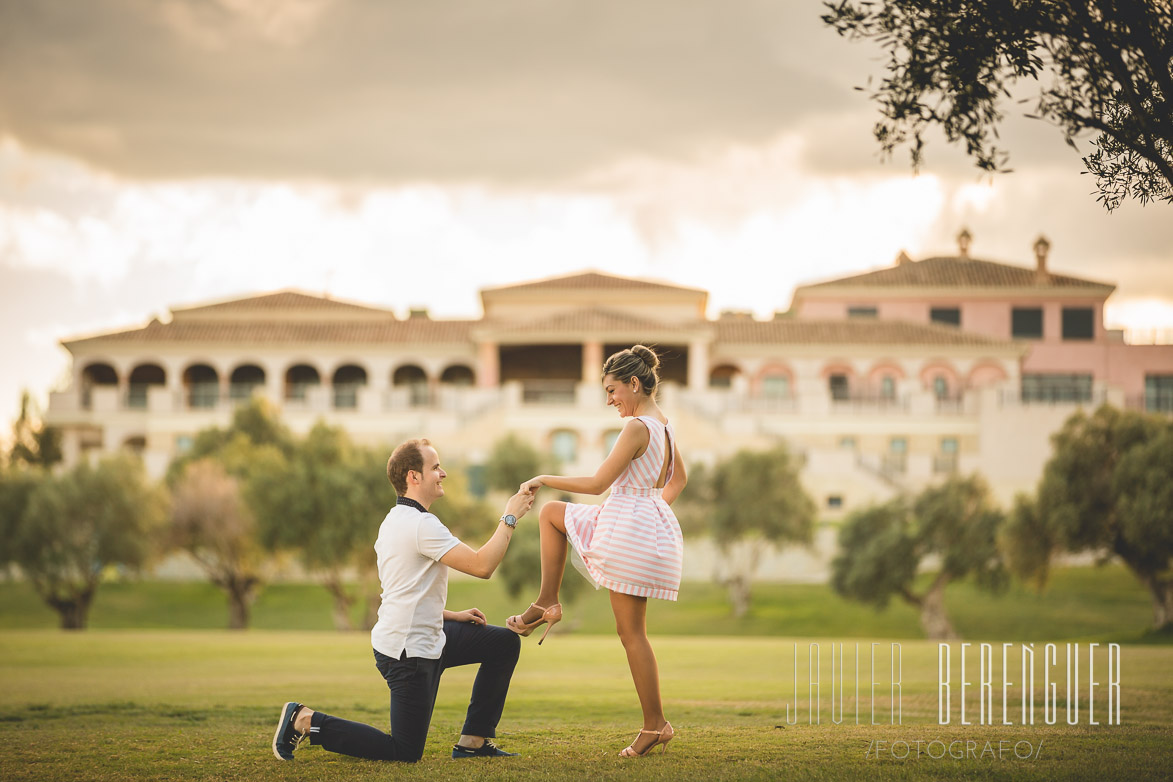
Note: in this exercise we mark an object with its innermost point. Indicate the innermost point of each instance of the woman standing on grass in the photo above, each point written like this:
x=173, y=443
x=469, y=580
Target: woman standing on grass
x=631, y=544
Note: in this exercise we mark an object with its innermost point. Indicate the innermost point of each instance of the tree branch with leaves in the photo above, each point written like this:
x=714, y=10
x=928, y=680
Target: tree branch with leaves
x=75, y=525
x=954, y=65
x=882, y=548
x=1107, y=489
x=324, y=501
x=757, y=502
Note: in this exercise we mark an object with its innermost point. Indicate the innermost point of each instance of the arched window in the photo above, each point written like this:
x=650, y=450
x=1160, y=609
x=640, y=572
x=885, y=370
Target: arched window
x=245, y=379
x=940, y=387
x=299, y=379
x=142, y=378
x=348, y=380
x=415, y=379
x=776, y=386
x=722, y=376
x=203, y=386
x=96, y=375
x=564, y=445
x=986, y=374
x=840, y=386
x=887, y=387
x=458, y=375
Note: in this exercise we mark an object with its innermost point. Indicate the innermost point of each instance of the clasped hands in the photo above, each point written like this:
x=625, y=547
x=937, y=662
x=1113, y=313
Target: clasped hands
x=519, y=504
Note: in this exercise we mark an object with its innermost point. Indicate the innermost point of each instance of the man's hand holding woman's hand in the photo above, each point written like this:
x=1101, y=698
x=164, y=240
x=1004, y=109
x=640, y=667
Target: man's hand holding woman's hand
x=532, y=485
x=519, y=504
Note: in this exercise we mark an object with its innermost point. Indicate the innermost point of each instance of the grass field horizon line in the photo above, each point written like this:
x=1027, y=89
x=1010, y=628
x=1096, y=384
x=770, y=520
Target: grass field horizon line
x=1103, y=603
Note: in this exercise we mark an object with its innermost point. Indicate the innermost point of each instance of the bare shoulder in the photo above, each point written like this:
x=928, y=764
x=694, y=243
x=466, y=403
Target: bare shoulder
x=635, y=426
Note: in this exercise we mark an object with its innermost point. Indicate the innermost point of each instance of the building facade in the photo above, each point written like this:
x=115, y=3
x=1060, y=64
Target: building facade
x=881, y=382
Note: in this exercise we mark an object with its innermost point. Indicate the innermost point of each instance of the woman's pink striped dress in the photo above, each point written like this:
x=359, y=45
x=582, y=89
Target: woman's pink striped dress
x=632, y=542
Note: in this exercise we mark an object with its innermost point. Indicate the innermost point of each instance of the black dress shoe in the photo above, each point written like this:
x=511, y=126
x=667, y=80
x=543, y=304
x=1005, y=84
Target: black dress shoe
x=486, y=750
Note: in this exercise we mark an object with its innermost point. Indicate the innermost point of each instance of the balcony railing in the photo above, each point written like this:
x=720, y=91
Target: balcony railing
x=242, y=392
x=1151, y=402
x=945, y=463
x=1052, y=396
x=136, y=396
x=950, y=405
x=203, y=396
x=548, y=392
x=764, y=404
x=865, y=401
x=346, y=396
x=894, y=463
x=468, y=401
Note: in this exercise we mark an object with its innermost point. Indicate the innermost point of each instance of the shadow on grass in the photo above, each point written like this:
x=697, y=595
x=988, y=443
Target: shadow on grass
x=1152, y=637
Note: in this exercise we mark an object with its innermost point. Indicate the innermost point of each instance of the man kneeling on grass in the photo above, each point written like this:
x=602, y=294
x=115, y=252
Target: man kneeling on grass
x=416, y=638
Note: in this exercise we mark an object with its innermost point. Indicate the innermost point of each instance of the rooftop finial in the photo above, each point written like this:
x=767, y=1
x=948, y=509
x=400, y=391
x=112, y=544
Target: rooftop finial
x=903, y=258
x=1042, y=246
x=963, y=241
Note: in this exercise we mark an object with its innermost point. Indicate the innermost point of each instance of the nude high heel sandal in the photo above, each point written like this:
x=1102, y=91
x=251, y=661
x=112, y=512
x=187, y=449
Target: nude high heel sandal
x=551, y=616
x=665, y=734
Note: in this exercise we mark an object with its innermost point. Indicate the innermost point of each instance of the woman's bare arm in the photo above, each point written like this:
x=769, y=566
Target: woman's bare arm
x=633, y=437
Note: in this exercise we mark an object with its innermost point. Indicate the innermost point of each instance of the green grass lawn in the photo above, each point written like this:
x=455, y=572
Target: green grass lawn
x=1080, y=603
x=200, y=704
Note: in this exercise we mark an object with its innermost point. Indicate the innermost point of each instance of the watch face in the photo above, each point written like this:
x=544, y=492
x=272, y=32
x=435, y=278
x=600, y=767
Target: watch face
x=509, y=519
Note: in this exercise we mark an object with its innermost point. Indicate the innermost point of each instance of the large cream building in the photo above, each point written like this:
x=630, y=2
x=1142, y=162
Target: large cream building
x=882, y=382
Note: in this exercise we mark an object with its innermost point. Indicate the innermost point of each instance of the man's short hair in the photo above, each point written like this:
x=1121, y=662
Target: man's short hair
x=405, y=458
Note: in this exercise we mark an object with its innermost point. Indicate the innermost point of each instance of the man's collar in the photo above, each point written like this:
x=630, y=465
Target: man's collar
x=408, y=501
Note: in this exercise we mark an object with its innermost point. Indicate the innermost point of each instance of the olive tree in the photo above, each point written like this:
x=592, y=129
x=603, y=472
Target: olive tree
x=33, y=443
x=511, y=462
x=16, y=487
x=212, y=523
x=756, y=501
x=77, y=524
x=1106, y=489
x=211, y=518
x=882, y=548
x=324, y=502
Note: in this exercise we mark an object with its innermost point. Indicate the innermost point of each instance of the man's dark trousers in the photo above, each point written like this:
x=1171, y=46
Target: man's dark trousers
x=413, y=682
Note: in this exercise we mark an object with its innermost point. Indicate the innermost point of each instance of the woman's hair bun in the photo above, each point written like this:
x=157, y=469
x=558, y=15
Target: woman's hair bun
x=647, y=355
x=638, y=361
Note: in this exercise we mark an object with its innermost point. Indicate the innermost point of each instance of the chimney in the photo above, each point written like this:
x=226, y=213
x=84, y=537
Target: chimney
x=903, y=258
x=1042, y=276
x=963, y=241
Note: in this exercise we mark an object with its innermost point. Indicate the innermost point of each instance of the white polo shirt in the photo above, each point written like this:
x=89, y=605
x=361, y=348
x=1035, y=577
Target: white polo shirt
x=415, y=584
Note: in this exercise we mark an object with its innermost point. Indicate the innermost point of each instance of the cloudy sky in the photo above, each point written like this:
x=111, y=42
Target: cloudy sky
x=157, y=153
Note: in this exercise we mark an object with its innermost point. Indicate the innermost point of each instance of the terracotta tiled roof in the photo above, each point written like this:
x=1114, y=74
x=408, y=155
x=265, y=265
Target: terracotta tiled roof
x=281, y=301
x=422, y=331
x=592, y=281
x=590, y=319
x=955, y=272
x=860, y=331
x=307, y=332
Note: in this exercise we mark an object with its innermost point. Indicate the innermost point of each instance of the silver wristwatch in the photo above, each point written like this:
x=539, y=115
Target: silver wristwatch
x=510, y=520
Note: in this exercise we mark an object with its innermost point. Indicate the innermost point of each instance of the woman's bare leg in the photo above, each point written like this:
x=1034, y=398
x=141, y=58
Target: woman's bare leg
x=631, y=624
x=552, y=530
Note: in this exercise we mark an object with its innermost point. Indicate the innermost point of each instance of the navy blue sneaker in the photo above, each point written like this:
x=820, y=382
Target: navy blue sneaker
x=486, y=750
x=286, y=739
